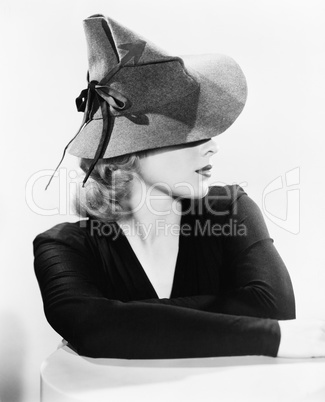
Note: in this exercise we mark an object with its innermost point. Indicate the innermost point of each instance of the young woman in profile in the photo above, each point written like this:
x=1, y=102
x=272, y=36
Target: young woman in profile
x=164, y=266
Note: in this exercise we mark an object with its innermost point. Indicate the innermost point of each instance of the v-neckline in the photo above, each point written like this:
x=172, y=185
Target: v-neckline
x=140, y=268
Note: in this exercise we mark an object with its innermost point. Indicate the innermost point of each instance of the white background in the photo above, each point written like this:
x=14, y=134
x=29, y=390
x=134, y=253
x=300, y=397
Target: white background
x=280, y=45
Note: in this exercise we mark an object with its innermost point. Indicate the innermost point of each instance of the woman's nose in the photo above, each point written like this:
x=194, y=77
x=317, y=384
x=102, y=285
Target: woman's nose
x=211, y=147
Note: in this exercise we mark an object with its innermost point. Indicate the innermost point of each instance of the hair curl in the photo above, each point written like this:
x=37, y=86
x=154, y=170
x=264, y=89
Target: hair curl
x=108, y=184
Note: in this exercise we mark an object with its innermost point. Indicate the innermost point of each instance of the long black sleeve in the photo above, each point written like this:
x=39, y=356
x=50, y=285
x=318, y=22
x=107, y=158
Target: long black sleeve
x=255, y=281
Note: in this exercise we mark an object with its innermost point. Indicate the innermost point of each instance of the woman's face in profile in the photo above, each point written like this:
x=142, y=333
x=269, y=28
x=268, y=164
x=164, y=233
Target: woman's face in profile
x=180, y=170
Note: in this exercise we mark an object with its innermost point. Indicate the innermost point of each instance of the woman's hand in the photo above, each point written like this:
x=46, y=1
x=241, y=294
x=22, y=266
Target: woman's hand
x=302, y=338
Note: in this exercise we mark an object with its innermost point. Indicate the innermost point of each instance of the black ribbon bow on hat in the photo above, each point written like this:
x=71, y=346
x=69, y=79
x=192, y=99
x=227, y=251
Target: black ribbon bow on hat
x=101, y=95
x=89, y=100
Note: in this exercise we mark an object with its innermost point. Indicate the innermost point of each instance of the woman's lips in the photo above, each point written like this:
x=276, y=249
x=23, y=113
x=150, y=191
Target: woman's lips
x=205, y=171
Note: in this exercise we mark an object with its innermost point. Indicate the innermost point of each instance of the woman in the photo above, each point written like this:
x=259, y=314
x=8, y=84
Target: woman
x=165, y=267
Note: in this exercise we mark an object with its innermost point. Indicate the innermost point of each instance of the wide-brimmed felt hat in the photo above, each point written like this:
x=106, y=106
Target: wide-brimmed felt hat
x=139, y=97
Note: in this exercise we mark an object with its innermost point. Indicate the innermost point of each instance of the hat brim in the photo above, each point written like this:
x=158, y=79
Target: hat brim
x=201, y=115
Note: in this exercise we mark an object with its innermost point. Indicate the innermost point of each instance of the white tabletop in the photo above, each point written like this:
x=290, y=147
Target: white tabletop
x=67, y=377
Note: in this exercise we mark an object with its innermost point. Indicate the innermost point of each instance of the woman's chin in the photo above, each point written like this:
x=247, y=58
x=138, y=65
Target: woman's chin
x=193, y=192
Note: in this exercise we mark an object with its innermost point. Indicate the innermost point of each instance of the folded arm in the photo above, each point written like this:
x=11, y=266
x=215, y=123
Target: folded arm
x=100, y=327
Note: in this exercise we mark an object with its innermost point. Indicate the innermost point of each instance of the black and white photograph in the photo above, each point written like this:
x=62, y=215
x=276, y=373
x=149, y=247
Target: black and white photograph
x=162, y=201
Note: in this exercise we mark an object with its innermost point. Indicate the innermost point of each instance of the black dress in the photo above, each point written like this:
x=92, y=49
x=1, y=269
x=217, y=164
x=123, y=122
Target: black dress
x=230, y=286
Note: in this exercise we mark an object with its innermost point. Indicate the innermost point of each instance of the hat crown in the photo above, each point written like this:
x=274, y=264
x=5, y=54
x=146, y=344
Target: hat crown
x=109, y=42
x=144, y=75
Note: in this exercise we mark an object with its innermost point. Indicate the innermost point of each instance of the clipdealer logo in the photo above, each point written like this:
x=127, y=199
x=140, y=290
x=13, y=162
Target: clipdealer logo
x=280, y=198
x=284, y=213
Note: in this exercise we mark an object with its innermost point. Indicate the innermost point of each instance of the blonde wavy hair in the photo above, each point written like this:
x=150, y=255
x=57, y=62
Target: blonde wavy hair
x=107, y=186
